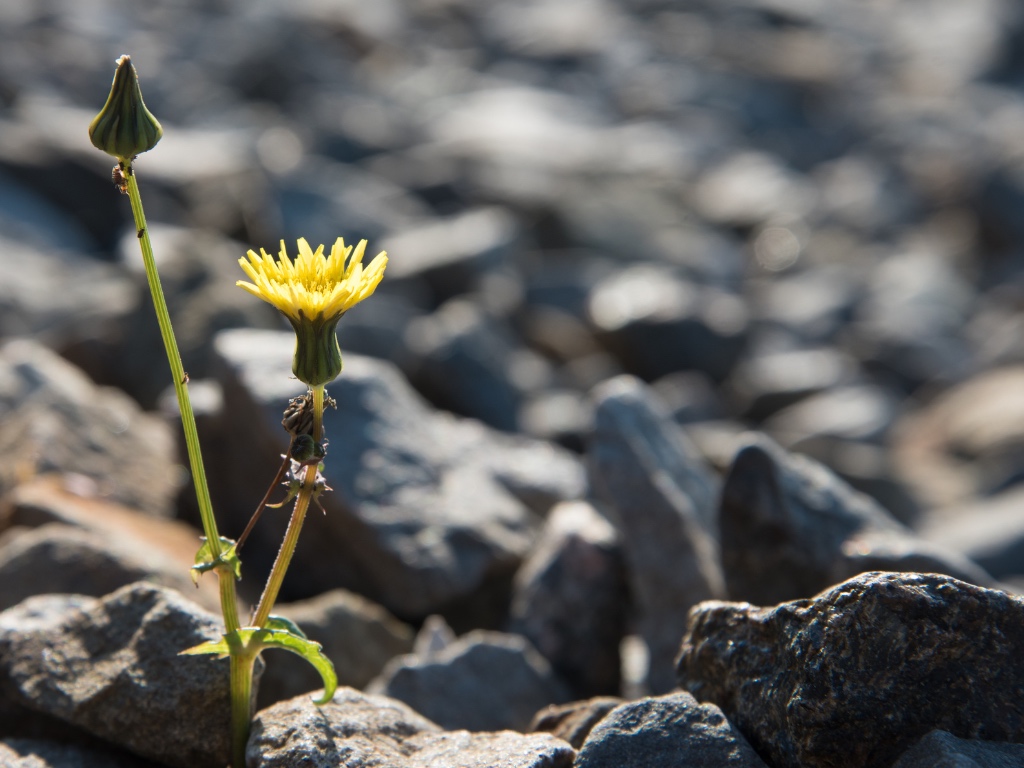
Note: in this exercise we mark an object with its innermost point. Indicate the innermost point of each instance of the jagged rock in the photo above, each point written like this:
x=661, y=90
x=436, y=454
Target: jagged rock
x=490, y=681
x=110, y=667
x=660, y=496
x=570, y=598
x=429, y=513
x=574, y=721
x=356, y=634
x=665, y=732
x=366, y=730
x=854, y=676
x=790, y=527
x=54, y=419
x=944, y=750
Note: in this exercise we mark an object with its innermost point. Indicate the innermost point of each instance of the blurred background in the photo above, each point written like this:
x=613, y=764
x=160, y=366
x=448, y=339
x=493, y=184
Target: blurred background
x=798, y=216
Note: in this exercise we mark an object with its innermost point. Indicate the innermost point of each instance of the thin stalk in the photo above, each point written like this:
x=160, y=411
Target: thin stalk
x=241, y=705
x=263, y=502
x=291, y=536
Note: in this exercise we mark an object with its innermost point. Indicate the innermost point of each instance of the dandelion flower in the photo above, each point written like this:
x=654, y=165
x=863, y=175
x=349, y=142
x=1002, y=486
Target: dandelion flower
x=313, y=291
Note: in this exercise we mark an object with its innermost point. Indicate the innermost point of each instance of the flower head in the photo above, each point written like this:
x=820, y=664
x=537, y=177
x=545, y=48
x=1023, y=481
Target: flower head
x=313, y=291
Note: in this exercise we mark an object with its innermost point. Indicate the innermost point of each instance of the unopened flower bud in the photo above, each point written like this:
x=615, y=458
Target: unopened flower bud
x=124, y=127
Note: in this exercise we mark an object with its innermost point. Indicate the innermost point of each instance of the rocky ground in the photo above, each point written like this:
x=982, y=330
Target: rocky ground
x=686, y=427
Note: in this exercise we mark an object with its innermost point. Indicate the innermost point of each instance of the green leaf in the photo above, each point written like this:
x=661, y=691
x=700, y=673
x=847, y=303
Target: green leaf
x=205, y=560
x=310, y=651
x=219, y=647
x=285, y=624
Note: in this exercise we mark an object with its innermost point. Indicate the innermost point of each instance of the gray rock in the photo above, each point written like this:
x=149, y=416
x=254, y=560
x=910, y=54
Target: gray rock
x=111, y=667
x=570, y=598
x=54, y=419
x=665, y=732
x=790, y=528
x=357, y=635
x=429, y=513
x=63, y=559
x=660, y=496
x=366, y=730
x=856, y=675
x=40, y=753
x=574, y=721
x=485, y=681
x=944, y=750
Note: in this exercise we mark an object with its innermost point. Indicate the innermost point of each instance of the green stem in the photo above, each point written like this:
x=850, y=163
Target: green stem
x=241, y=703
x=291, y=536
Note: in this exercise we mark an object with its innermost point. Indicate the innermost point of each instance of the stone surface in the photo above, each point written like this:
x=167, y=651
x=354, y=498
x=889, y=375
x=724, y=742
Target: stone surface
x=357, y=729
x=54, y=419
x=790, y=528
x=940, y=749
x=429, y=513
x=39, y=753
x=570, y=597
x=572, y=722
x=491, y=681
x=857, y=674
x=660, y=495
x=357, y=635
x=664, y=732
x=110, y=667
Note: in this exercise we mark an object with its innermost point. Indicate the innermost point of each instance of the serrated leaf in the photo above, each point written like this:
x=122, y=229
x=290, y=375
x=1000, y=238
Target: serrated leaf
x=205, y=560
x=285, y=624
x=309, y=650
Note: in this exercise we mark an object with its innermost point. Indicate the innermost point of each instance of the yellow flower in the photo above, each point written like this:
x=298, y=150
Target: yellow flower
x=313, y=292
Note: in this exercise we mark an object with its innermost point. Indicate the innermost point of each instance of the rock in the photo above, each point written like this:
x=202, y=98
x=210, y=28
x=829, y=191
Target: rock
x=749, y=188
x=666, y=731
x=857, y=674
x=944, y=750
x=111, y=667
x=485, y=681
x=40, y=753
x=572, y=722
x=434, y=636
x=62, y=559
x=429, y=513
x=54, y=419
x=569, y=599
x=356, y=634
x=771, y=380
x=657, y=322
x=790, y=528
x=366, y=730
x=660, y=496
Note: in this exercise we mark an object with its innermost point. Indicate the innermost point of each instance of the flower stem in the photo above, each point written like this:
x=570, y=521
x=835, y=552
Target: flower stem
x=291, y=536
x=241, y=704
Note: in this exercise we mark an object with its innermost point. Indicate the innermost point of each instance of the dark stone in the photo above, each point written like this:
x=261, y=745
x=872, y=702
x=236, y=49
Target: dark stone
x=666, y=732
x=363, y=731
x=570, y=597
x=944, y=750
x=854, y=676
x=41, y=753
x=484, y=681
x=357, y=635
x=790, y=528
x=660, y=496
x=572, y=722
x=111, y=667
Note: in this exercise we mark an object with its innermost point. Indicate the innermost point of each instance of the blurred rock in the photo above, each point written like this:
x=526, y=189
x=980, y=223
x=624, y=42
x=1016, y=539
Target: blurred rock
x=572, y=722
x=54, y=419
x=356, y=634
x=657, y=323
x=790, y=528
x=664, y=732
x=429, y=513
x=690, y=397
x=434, y=636
x=940, y=749
x=111, y=667
x=841, y=679
x=570, y=599
x=660, y=496
x=485, y=681
x=38, y=753
x=367, y=730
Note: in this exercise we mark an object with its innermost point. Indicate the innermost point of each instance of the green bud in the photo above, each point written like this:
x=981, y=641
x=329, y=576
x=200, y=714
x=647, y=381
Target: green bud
x=317, y=358
x=124, y=127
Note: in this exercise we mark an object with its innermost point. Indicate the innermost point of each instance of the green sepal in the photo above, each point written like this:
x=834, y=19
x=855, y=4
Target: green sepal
x=317, y=359
x=124, y=127
x=285, y=624
x=205, y=561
